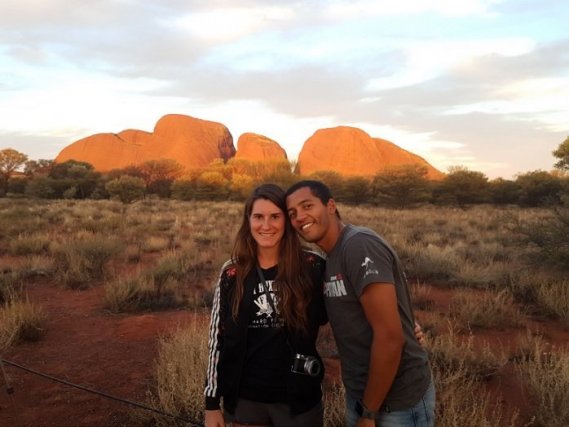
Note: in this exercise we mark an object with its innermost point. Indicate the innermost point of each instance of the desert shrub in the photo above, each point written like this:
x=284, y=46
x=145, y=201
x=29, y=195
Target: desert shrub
x=452, y=352
x=549, y=236
x=180, y=372
x=432, y=263
x=485, y=310
x=26, y=244
x=491, y=275
x=461, y=186
x=184, y=189
x=458, y=370
x=126, y=188
x=541, y=292
x=538, y=188
x=83, y=260
x=545, y=371
x=355, y=190
x=40, y=187
x=504, y=191
x=401, y=186
x=421, y=296
x=33, y=266
x=155, y=243
x=11, y=283
x=20, y=321
x=334, y=401
x=553, y=298
x=163, y=286
x=142, y=293
x=462, y=401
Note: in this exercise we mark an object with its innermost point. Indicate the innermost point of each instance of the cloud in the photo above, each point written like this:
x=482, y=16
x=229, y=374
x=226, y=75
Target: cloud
x=455, y=81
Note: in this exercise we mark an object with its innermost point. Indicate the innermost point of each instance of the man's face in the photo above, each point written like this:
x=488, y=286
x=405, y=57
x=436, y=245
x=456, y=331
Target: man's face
x=308, y=215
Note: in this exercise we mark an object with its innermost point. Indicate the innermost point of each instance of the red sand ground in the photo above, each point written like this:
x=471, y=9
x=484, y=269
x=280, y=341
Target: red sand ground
x=85, y=345
x=115, y=354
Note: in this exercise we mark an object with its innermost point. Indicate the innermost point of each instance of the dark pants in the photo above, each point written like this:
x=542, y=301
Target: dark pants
x=248, y=412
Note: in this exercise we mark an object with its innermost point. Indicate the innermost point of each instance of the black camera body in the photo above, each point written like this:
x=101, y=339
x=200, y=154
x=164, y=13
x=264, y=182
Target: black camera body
x=306, y=365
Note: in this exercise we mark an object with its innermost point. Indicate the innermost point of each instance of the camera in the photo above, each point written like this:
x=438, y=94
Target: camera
x=307, y=365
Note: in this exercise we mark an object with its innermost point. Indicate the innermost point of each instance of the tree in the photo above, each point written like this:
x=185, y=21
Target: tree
x=356, y=190
x=126, y=188
x=159, y=175
x=462, y=186
x=73, y=173
x=401, y=186
x=184, y=189
x=332, y=179
x=539, y=188
x=241, y=186
x=211, y=186
x=41, y=167
x=503, y=191
x=10, y=160
x=562, y=153
x=40, y=187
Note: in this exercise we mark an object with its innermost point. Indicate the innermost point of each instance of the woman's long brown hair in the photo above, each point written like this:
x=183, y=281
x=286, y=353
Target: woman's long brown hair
x=292, y=275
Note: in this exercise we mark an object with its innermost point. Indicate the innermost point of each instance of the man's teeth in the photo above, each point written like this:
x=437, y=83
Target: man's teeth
x=305, y=226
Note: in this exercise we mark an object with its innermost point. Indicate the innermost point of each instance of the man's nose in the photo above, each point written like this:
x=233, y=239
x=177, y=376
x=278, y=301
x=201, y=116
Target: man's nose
x=300, y=216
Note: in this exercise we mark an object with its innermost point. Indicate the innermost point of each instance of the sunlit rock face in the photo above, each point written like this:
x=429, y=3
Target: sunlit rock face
x=191, y=142
x=258, y=148
x=195, y=143
x=352, y=152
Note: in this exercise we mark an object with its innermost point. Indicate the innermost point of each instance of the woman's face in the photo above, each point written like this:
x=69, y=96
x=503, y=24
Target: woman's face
x=267, y=223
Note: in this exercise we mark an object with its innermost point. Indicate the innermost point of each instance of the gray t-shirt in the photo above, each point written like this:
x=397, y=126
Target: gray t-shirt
x=359, y=258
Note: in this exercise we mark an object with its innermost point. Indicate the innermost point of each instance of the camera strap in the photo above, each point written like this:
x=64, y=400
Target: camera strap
x=266, y=289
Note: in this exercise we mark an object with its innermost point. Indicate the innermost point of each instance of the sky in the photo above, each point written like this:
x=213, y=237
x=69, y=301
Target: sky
x=482, y=84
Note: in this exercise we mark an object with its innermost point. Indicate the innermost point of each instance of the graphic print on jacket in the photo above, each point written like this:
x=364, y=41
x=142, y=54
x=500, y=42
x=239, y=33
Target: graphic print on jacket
x=265, y=317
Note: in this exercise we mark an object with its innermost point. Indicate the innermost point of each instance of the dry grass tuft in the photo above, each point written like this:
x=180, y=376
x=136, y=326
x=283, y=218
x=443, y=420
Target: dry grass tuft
x=20, y=321
x=180, y=372
x=485, y=310
x=545, y=370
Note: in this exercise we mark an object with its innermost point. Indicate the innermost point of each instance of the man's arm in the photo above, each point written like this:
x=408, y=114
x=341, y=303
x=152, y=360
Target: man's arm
x=379, y=302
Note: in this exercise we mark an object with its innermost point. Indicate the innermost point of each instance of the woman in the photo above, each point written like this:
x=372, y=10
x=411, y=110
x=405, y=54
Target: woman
x=267, y=309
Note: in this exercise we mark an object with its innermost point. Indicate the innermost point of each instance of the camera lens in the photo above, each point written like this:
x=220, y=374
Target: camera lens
x=312, y=367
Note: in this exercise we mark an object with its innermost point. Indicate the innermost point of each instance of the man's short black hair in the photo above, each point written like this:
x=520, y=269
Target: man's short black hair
x=317, y=188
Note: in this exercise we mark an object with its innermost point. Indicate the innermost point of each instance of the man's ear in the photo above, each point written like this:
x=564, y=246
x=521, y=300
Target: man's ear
x=331, y=206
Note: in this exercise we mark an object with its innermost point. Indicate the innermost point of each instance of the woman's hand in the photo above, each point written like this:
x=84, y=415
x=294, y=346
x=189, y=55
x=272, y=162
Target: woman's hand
x=214, y=419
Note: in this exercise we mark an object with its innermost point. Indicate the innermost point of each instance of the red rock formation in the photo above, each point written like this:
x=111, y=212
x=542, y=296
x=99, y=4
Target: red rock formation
x=195, y=143
x=191, y=142
x=258, y=148
x=352, y=152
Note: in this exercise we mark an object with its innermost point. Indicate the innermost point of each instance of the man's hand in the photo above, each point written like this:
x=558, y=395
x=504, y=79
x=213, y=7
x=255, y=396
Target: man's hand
x=419, y=334
x=365, y=422
x=214, y=419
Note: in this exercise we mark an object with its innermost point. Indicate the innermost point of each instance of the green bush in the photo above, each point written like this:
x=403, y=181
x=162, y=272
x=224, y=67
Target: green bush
x=126, y=188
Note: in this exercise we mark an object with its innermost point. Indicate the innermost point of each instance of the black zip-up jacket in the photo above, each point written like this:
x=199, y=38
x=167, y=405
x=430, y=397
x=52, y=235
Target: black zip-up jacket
x=228, y=340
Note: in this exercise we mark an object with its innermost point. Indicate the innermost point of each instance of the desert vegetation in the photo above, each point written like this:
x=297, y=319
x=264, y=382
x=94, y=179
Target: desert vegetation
x=400, y=186
x=493, y=299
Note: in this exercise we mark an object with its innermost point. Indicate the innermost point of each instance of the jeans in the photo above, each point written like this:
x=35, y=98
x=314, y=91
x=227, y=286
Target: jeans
x=420, y=415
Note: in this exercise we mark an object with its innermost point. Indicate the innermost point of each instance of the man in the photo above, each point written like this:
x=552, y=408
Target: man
x=385, y=371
